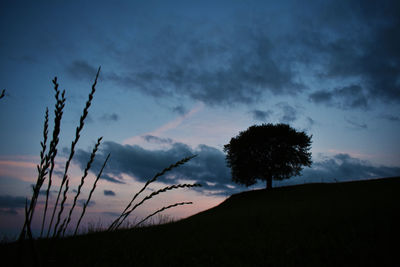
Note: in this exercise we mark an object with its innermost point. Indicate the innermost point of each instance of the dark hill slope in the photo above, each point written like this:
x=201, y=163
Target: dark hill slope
x=343, y=224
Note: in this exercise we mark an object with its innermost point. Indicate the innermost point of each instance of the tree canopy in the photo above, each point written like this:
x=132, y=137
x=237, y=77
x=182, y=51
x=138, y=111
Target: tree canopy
x=267, y=152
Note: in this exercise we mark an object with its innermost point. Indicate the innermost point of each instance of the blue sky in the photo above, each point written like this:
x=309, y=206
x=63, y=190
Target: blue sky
x=183, y=77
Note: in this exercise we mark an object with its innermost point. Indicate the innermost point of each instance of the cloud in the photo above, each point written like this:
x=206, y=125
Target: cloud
x=209, y=64
x=309, y=123
x=110, y=117
x=111, y=179
x=343, y=167
x=43, y=192
x=322, y=96
x=180, y=109
x=249, y=53
x=8, y=211
x=365, y=50
x=356, y=125
x=261, y=115
x=390, y=117
x=11, y=204
x=109, y=193
x=81, y=202
x=158, y=140
x=289, y=113
x=169, y=125
x=81, y=70
x=347, y=97
x=208, y=168
x=7, y=201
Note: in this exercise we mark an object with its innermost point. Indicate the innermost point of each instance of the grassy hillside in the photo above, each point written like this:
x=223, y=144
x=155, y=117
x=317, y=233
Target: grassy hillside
x=343, y=224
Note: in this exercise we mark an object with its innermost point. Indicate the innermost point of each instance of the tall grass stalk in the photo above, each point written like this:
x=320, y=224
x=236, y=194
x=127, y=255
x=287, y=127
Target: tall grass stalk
x=58, y=112
x=72, y=152
x=165, y=189
x=42, y=171
x=155, y=177
x=90, y=195
x=161, y=210
x=85, y=173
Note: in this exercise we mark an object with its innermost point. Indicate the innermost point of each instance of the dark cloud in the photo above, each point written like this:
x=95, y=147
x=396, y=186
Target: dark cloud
x=111, y=179
x=109, y=193
x=112, y=117
x=343, y=167
x=390, y=117
x=60, y=173
x=289, y=113
x=8, y=211
x=81, y=70
x=243, y=55
x=210, y=64
x=261, y=115
x=7, y=201
x=355, y=124
x=81, y=202
x=11, y=204
x=180, y=109
x=157, y=140
x=255, y=53
x=208, y=168
x=358, y=40
x=309, y=123
x=44, y=192
x=322, y=96
x=348, y=97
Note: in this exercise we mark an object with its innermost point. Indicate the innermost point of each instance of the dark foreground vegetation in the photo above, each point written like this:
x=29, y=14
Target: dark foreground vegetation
x=342, y=224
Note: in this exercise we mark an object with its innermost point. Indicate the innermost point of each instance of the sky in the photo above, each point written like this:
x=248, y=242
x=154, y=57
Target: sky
x=180, y=78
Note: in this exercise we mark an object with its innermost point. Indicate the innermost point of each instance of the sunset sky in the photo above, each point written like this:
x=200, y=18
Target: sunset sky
x=183, y=77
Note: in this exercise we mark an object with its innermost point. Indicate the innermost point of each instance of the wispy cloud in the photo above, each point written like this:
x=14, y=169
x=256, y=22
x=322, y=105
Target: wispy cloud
x=81, y=70
x=390, y=117
x=109, y=117
x=180, y=109
x=21, y=164
x=356, y=124
x=166, y=127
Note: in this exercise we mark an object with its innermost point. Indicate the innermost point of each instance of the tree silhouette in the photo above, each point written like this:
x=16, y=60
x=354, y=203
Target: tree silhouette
x=266, y=152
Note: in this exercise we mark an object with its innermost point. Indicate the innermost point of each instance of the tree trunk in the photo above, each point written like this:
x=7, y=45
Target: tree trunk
x=269, y=183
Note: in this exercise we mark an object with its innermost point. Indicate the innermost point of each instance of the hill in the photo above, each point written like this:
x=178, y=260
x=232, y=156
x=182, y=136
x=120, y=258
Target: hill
x=342, y=224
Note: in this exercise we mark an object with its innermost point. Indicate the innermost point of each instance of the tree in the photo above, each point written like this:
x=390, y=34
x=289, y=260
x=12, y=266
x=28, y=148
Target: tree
x=267, y=152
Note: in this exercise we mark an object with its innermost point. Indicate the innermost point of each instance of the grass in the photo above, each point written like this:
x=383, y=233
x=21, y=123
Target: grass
x=339, y=224
x=48, y=153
